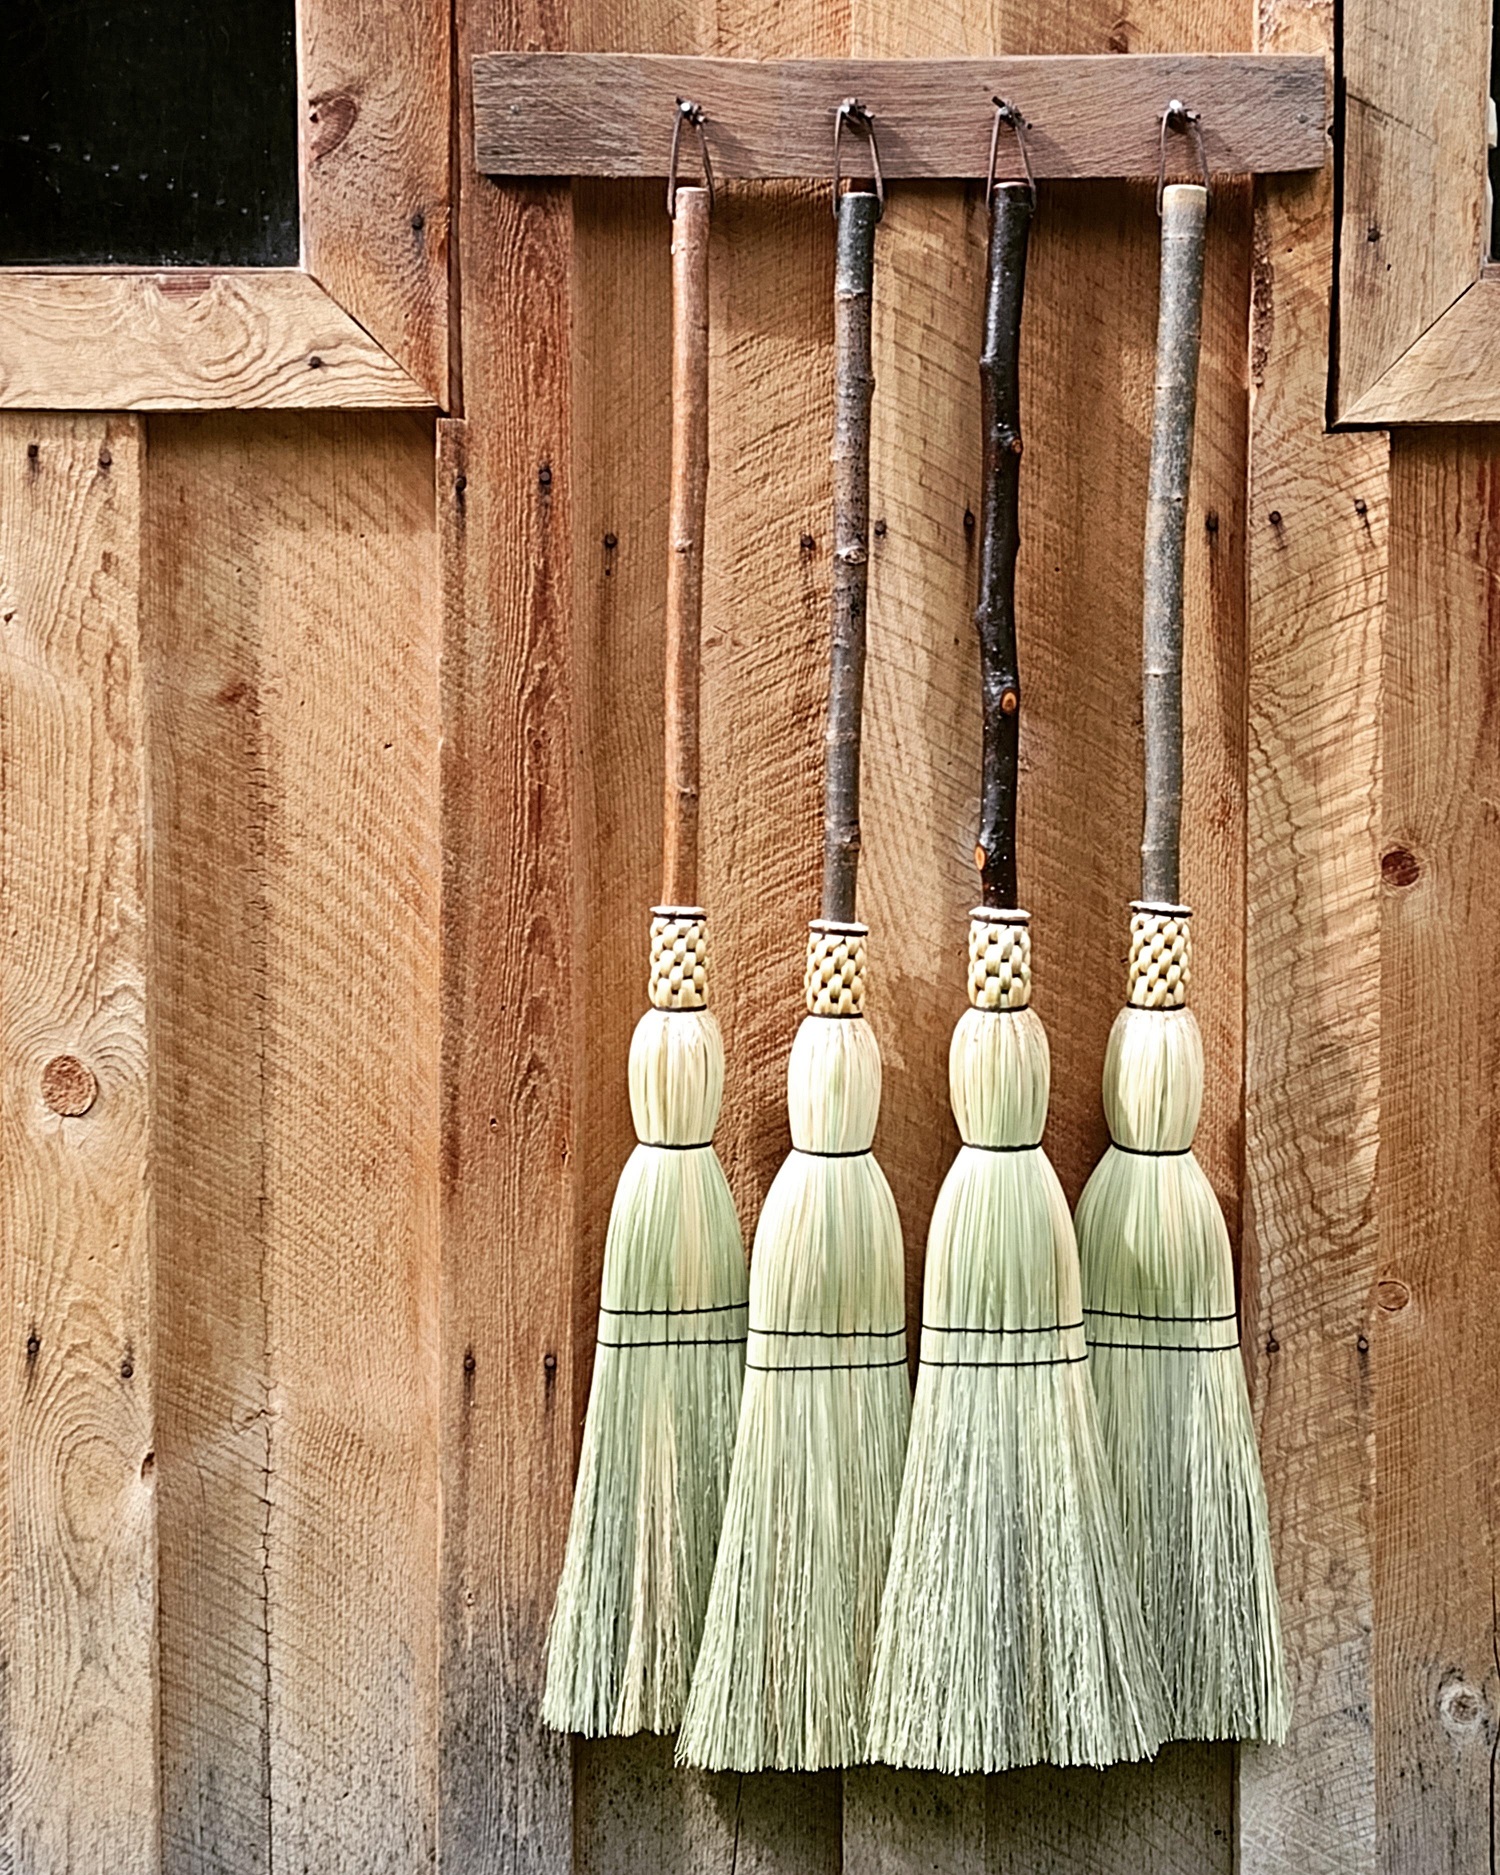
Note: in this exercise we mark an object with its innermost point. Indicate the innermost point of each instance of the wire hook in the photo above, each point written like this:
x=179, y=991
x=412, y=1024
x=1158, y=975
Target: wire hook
x=688, y=113
x=1177, y=116
x=852, y=111
x=1006, y=113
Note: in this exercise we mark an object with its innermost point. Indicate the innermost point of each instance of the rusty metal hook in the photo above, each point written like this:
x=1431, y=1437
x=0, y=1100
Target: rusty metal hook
x=1178, y=117
x=688, y=113
x=852, y=111
x=1006, y=113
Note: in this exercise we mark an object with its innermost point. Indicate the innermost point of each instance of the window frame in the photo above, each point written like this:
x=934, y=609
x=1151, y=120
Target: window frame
x=361, y=322
x=1417, y=327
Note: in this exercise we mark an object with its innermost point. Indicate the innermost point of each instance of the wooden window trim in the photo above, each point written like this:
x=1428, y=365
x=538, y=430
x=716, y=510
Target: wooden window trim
x=361, y=323
x=1418, y=327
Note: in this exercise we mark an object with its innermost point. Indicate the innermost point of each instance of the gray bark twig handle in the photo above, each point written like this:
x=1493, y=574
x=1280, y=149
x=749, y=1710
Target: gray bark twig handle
x=853, y=387
x=1179, y=333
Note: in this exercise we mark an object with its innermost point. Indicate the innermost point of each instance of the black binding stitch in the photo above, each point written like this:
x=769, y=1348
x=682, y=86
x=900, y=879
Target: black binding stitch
x=707, y=1341
x=678, y=1145
x=1059, y=1360
x=1139, y=1315
x=707, y=1308
x=823, y=1367
x=1170, y=1347
x=979, y=1145
x=855, y=1152
x=1152, y=1152
x=834, y=1334
x=1047, y=1328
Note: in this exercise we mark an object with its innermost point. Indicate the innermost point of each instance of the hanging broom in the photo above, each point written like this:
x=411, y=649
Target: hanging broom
x=667, y=1375
x=1158, y=1276
x=780, y=1681
x=1010, y=1632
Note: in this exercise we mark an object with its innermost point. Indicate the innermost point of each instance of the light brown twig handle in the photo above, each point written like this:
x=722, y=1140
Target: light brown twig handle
x=1179, y=331
x=685, y=558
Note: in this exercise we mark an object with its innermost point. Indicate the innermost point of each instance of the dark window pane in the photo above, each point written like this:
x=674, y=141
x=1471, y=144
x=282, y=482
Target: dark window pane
x=148, y=132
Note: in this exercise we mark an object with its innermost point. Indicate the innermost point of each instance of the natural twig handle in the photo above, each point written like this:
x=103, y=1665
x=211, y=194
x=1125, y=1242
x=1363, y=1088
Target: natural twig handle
x=685, y=560
x=853, y=386
x=1000, y=540
x=1179, y=330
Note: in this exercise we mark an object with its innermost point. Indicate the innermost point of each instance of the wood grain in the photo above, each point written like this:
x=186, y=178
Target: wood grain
x=1451, y=374
x=515, y=1009
x=78, y=1534
x=610, y=114
x=230, y=339
x=1437, y=1681
x=1414, y=221
x=1317, y=567
x=374, y=147
x=295, y=868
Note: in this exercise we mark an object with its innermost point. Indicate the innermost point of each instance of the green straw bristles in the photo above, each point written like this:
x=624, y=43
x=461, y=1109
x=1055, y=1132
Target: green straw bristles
x=781, y=1676
x=664, y=1403
x=1010, y=1632
x=1159, y=1302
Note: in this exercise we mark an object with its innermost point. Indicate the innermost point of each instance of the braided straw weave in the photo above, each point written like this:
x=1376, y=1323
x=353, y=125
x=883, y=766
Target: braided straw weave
x=1160, y=956
x=999, y=958
x=679, y=958
x=835, y=975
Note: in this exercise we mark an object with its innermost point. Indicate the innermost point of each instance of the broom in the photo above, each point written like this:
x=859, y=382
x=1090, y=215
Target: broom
x=1010, y=1632
x=667, y=1375
x=780, y=1681
x=1158, y=1275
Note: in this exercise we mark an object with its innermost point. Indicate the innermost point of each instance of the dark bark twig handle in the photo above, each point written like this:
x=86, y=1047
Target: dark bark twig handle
x=1179, y=331
x=1000, y=539
x=685, y=559
x=853, y=387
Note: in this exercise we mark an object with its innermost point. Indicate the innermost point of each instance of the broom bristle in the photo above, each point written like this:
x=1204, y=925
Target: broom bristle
x=781, y=1676
x=663, y=1406
x=1010, y=1633
x=1159, y=1298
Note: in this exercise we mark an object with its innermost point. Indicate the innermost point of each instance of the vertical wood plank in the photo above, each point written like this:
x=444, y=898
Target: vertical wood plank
x=293, y=647
x=78, y=1588
x=514, y=1006
x=1437, y=1681
x=1316, y=567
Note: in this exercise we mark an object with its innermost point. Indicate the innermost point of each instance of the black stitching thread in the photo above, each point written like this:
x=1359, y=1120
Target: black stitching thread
x=707, y=1308
x=823, y=1367
x=882, y=1334
x=856, y=1152
x=1139, y=1315
x=979, y=1145
x=1060, y=1360
x=675, y=1145
x=1170, y=1347
x=1152, y=1152
x=1047, y=1328
x=707, y=1341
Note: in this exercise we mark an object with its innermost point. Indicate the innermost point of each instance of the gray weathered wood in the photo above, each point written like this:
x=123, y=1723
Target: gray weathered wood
x=610, y=114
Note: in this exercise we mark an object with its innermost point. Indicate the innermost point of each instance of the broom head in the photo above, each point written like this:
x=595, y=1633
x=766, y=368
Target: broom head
x=1159, y=1302
x=1010, y=1632
x=781, y=1676
x=665, y=1397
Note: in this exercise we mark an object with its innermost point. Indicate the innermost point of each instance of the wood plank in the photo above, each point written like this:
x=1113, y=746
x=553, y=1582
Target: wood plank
x=297, y=773
x=374, y=149
x=1451, y=374
x=514, y=1010
x=611, y=114
x=228, y=339
x=77, y=1466
x=1437, y=1683
x=1316, y=569
x=1415, y=222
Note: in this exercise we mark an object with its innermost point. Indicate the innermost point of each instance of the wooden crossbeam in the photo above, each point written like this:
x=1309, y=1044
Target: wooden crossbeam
x=611, y=114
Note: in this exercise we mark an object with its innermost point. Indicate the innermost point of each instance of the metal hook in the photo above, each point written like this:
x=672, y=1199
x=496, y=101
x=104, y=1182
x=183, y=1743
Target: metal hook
x=1006, y=113
x=852, y=110
x=688, y=113
x=1177, y=116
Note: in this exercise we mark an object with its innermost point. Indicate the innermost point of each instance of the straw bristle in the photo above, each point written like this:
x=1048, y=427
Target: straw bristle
x=663, y=1406
x=1010, y=1632
x=1158, y=1289
x=781, y=1677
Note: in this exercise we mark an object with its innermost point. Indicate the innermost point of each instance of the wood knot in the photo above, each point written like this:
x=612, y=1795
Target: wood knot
x=1400, y=868
x=1391, y=1295
x=1461, y=1706
x=980, y=858
x=333, y=113
x=68, y=1087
